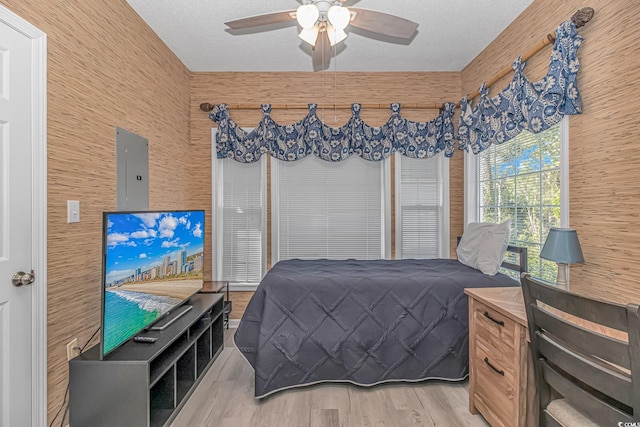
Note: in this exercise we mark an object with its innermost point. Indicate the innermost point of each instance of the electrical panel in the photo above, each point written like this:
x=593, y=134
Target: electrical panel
x=132, y=171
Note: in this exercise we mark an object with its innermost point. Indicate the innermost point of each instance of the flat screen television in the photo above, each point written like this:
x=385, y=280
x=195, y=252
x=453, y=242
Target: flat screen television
x=152, y=264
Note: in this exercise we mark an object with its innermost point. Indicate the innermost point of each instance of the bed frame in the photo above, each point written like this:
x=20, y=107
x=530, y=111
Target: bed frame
x=521, y=252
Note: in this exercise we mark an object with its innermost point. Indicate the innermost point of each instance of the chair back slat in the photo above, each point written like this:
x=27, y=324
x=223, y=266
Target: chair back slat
x=586, y=351
x=550, y=420
x=605, y=313
x=601, y=412
x=583, y=340
x=595, y=374
x=633, y=316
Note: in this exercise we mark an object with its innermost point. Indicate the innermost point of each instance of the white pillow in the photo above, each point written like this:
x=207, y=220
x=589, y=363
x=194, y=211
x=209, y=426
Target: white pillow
x=483, y=245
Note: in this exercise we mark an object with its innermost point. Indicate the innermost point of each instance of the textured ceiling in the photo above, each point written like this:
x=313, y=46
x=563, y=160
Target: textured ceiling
x=450, y=35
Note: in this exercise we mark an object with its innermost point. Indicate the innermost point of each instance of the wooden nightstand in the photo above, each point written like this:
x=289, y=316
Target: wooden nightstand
x=500, y=365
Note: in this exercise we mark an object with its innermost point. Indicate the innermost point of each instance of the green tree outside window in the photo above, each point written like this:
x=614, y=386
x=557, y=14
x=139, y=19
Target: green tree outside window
x=520, y=180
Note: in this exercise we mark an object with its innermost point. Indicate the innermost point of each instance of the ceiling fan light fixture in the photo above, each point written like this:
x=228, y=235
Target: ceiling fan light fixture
x=335, y=35
x=310, y=35
x=339, y=16
x=307, y=15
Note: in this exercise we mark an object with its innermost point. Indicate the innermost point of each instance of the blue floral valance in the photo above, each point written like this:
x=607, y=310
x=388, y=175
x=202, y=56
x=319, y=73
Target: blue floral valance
x=525, y=105
x=311, y=136
x=522, y=105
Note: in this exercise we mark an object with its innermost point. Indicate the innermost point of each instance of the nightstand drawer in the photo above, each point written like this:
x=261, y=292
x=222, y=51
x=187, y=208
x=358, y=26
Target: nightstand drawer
x=498, y=362
x=493, y=328
x=496, y=390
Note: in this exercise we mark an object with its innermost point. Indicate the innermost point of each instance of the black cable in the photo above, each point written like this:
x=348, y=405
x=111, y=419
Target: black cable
x=66, y=393
x=87, y=343
x=64, y=401
x=64, y=416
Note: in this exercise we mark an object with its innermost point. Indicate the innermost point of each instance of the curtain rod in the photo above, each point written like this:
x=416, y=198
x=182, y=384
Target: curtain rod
x=580, y=18
x=419, y=106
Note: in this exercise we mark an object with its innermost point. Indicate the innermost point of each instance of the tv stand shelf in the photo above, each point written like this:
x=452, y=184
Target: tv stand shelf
x=146, y=384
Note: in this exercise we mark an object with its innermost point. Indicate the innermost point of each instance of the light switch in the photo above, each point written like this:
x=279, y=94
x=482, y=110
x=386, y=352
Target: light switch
x=73, y=211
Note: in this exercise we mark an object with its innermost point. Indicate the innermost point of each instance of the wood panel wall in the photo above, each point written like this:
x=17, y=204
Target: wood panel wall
x=106, y=68
x=320, y=88
x=604, y=160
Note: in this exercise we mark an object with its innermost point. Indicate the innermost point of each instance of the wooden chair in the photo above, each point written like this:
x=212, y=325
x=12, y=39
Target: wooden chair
x=587, y=374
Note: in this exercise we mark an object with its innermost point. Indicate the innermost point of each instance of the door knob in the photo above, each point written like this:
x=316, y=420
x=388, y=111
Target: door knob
x=21, y=278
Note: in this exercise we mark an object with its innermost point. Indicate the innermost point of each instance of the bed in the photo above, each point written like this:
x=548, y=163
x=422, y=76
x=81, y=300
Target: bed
x=361, y=322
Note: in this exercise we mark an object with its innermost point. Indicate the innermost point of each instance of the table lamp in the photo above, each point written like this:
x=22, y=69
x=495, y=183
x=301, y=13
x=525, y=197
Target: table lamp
x=562, y=247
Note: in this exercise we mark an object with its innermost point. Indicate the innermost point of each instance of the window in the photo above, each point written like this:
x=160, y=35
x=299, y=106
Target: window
x=422, y=207
x=329, y=210
x=324, y=209
x=522, y=179
x=239, y=225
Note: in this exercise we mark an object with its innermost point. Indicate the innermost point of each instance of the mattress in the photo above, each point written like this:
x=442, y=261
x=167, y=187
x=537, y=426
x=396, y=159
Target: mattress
x=362, y=322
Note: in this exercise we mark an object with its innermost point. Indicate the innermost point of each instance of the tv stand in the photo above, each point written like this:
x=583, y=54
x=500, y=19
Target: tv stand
x=146, y=385
x=171, y=317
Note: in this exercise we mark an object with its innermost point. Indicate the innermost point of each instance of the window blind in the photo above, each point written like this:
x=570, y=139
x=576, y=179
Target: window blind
x=240, y=222
x=422, y=226
x=520, y=179
x=328, y=210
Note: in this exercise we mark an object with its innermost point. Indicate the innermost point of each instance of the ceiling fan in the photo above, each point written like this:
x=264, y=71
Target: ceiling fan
x=324, y=22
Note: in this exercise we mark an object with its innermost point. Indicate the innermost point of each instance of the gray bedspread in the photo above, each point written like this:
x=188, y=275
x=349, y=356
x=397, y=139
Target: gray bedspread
x=364, y=322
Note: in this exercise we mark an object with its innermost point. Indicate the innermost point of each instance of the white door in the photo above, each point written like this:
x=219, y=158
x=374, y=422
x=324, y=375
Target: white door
x=16, y=235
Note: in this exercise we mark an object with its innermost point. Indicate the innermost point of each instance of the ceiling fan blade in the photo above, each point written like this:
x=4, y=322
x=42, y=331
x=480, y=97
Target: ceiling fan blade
x=383, y=23
x=321, y=55
x=259, y=20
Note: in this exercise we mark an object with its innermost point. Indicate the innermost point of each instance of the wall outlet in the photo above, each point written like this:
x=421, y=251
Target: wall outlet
x=73, y=349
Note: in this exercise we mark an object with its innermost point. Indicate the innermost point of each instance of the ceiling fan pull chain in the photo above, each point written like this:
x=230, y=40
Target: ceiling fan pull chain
x=324, y=92
x=335, y=83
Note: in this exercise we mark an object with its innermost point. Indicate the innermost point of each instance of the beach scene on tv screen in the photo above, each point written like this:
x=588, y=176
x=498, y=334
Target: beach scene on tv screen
x=153, y=262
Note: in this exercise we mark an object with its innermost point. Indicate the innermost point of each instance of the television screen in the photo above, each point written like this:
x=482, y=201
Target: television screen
x=153, y=262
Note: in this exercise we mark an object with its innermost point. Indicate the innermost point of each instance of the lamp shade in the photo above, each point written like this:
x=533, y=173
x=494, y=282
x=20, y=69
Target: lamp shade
x=307, y=15
x=310, y=35
x=562, y=246
x=335, y=35
x=339, y=17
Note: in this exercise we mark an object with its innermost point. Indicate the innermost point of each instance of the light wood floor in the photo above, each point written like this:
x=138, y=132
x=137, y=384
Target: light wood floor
x=224, y=398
